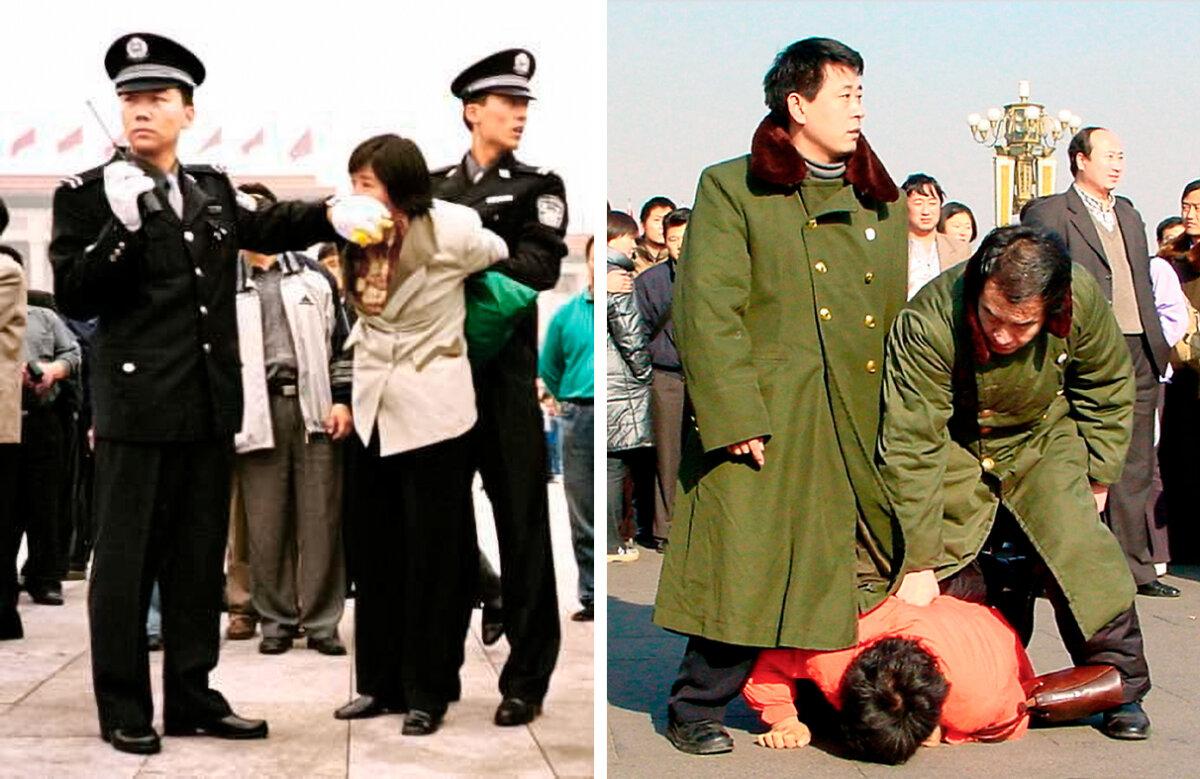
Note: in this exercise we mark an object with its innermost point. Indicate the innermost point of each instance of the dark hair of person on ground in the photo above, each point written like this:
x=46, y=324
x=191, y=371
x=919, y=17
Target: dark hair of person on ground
x=801, y=68
x=1024, y=263
x=400, y=167
x=1081, y=143
x=677, y=218
x=954, y=208
x=1166, y=224
x=658, y=201
x=892, y=697
x=621, y=223
x=923, y=184
x=11, y=252
x=260, y=191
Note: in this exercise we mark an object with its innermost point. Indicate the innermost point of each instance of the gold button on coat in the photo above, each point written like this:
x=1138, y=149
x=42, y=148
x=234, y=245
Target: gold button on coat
x=825, y=314
x=821, y=267
x=867, y=279
x=812, y=223
x=869, y=320
x=987, y=463
x=871, y=367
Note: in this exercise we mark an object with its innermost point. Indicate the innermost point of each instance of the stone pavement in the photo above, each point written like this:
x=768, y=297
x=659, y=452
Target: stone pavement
x=643, y=660
x=48, y=720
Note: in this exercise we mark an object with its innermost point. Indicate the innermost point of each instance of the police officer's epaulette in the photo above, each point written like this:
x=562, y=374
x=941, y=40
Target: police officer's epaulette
x=205, y=169
x=444, y=172
x=79, y=179
x=532, y=170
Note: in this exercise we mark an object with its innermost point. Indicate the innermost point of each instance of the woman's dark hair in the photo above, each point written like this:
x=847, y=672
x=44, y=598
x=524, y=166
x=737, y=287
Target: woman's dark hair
x=1166, y=224
x=676, y=218
x=400, y=167
x=923, y=184
x=801, y=68
x=1024, y=263
x=892, y=696
x=954, y=208
x=658, y=201
x=621, y=223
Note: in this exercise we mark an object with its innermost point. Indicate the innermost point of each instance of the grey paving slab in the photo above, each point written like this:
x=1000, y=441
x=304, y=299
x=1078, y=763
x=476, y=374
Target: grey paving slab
x=48, y=722
x=643, y=660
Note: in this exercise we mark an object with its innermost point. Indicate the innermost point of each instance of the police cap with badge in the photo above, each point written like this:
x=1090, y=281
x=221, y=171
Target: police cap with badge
x=143, y=61
x=503, y=73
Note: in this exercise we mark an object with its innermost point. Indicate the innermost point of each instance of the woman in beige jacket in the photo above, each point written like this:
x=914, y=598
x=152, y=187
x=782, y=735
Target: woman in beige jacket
x=413, y=404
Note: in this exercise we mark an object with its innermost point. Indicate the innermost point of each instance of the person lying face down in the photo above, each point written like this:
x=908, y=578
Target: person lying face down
x=951, y=671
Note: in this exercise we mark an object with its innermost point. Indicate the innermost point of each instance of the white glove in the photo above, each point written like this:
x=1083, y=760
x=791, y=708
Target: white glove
x=360, y=218
x=124, y=182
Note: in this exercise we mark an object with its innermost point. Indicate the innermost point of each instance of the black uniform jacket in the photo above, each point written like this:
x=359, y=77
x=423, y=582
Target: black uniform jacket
x=527, y=207
x=166, y=364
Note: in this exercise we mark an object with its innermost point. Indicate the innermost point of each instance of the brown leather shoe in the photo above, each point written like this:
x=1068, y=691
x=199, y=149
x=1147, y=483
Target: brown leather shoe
x=241, y=627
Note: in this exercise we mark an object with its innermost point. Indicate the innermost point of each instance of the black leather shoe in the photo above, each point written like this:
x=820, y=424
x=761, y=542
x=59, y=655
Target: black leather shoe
x=1128, y=722
x=493, y=625
x=274, y=645
x=329, y=645
x=231, y=726
x=514, y=711
x=1158, y=589
x=705, y=737
x=586, y=614
x=50, y=595
x=420, y=723
x=136, y=741
x=364, y=707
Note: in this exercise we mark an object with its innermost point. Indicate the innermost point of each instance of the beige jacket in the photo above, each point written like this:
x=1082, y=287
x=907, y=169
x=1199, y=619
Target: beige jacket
x=951, y=251
x=12, y=334
x=412, y=380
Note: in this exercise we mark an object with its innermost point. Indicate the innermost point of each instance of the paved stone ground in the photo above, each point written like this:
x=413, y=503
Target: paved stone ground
x=643, y=659
x=48, y=721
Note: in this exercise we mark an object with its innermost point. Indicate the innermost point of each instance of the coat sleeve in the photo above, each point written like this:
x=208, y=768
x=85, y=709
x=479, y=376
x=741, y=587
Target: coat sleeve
x=535, y=257
x=711, y=296
x=551, y=363
x=770, y=690
x=1099, y=381
x=625, y=326
x=290, y=225
x=651, y=311
x=914, y=437
x=12, y=299
x=66, y=346
x=95, y=259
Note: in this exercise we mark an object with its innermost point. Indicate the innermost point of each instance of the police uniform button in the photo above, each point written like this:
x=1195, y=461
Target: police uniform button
x=207, y=348
x=120, y=244
x=203, y=310
x=871, y=366
x=199, y=272
x=188, y=236
x=1059, y=393
x=869, y=277
x=869, y=321
x=987, y=463
x=820, y=267
x=128, y=367
x=825, y=314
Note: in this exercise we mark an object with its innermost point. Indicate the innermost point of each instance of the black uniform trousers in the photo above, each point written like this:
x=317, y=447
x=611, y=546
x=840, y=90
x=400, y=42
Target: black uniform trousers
x=510, y=454
x=39, y=490
x=710, y=676
x=1009, y=574
x=417, y=564
x=162, y=512
x=10, y=460
x=1125, y=513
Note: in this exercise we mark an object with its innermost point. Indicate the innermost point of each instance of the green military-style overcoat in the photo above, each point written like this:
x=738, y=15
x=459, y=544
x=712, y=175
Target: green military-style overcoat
x=786, y=288
x=1029, y=430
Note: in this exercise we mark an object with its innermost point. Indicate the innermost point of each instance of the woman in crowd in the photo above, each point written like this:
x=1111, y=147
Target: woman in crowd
x=958, y=222
x=413, y=404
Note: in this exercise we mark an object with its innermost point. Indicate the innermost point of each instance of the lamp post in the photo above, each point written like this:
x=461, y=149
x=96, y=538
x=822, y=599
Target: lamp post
x=1023, y=136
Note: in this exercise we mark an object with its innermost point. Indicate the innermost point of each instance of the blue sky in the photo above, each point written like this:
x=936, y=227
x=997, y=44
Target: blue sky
x=684, y=85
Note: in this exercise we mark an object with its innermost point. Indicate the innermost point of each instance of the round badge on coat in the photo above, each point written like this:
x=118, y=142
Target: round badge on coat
x=870, y=233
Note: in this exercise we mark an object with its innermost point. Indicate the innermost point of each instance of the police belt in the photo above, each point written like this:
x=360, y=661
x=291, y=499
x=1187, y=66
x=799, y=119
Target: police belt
x=284, y=389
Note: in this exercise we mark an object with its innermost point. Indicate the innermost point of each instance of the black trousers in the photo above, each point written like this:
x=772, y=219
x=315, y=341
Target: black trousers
x=1009, y=574
x=1125, y=513
x=162, y=512
x=710, y=676
x=417, y=562
x=10, y=459
x=510, y=453
x=39, y=490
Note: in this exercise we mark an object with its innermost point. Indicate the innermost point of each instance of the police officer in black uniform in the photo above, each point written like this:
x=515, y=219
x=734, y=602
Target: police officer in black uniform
x=150, y=247
x=526, y=206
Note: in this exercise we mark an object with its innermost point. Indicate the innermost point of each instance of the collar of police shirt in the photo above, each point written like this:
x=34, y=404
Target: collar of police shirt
x=475, y=171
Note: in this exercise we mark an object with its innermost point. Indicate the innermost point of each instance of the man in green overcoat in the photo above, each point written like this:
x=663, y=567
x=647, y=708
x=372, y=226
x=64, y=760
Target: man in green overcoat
x=794, y=266
x=1008, y=402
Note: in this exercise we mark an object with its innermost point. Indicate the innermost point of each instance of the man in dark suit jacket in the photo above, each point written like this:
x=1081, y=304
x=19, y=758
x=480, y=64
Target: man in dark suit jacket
x=1105, y=234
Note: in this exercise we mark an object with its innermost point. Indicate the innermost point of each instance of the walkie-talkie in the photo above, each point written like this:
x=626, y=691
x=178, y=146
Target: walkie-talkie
x=149, y=202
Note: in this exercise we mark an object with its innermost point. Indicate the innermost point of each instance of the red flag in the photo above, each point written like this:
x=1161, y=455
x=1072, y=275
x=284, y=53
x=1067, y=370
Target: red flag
x=255, y=141
x=24, y=142
x=213, y=141
x=73, y=139
x=302, y=146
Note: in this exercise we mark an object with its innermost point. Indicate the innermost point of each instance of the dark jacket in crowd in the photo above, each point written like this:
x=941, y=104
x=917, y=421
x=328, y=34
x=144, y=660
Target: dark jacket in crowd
x=653, y=290
x=628, y=370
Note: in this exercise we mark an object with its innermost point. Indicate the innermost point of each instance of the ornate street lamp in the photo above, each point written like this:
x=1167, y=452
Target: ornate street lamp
x=1023, y=136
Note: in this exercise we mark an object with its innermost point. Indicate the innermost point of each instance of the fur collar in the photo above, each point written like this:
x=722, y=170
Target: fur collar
x=775, y=160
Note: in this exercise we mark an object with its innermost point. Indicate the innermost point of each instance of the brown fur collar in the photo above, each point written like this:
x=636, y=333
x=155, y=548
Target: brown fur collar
x=775, y=160
x=1182, y=251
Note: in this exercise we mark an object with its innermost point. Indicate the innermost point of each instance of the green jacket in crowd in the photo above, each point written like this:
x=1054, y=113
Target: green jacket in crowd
x=786, y=288
x=961, y=435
